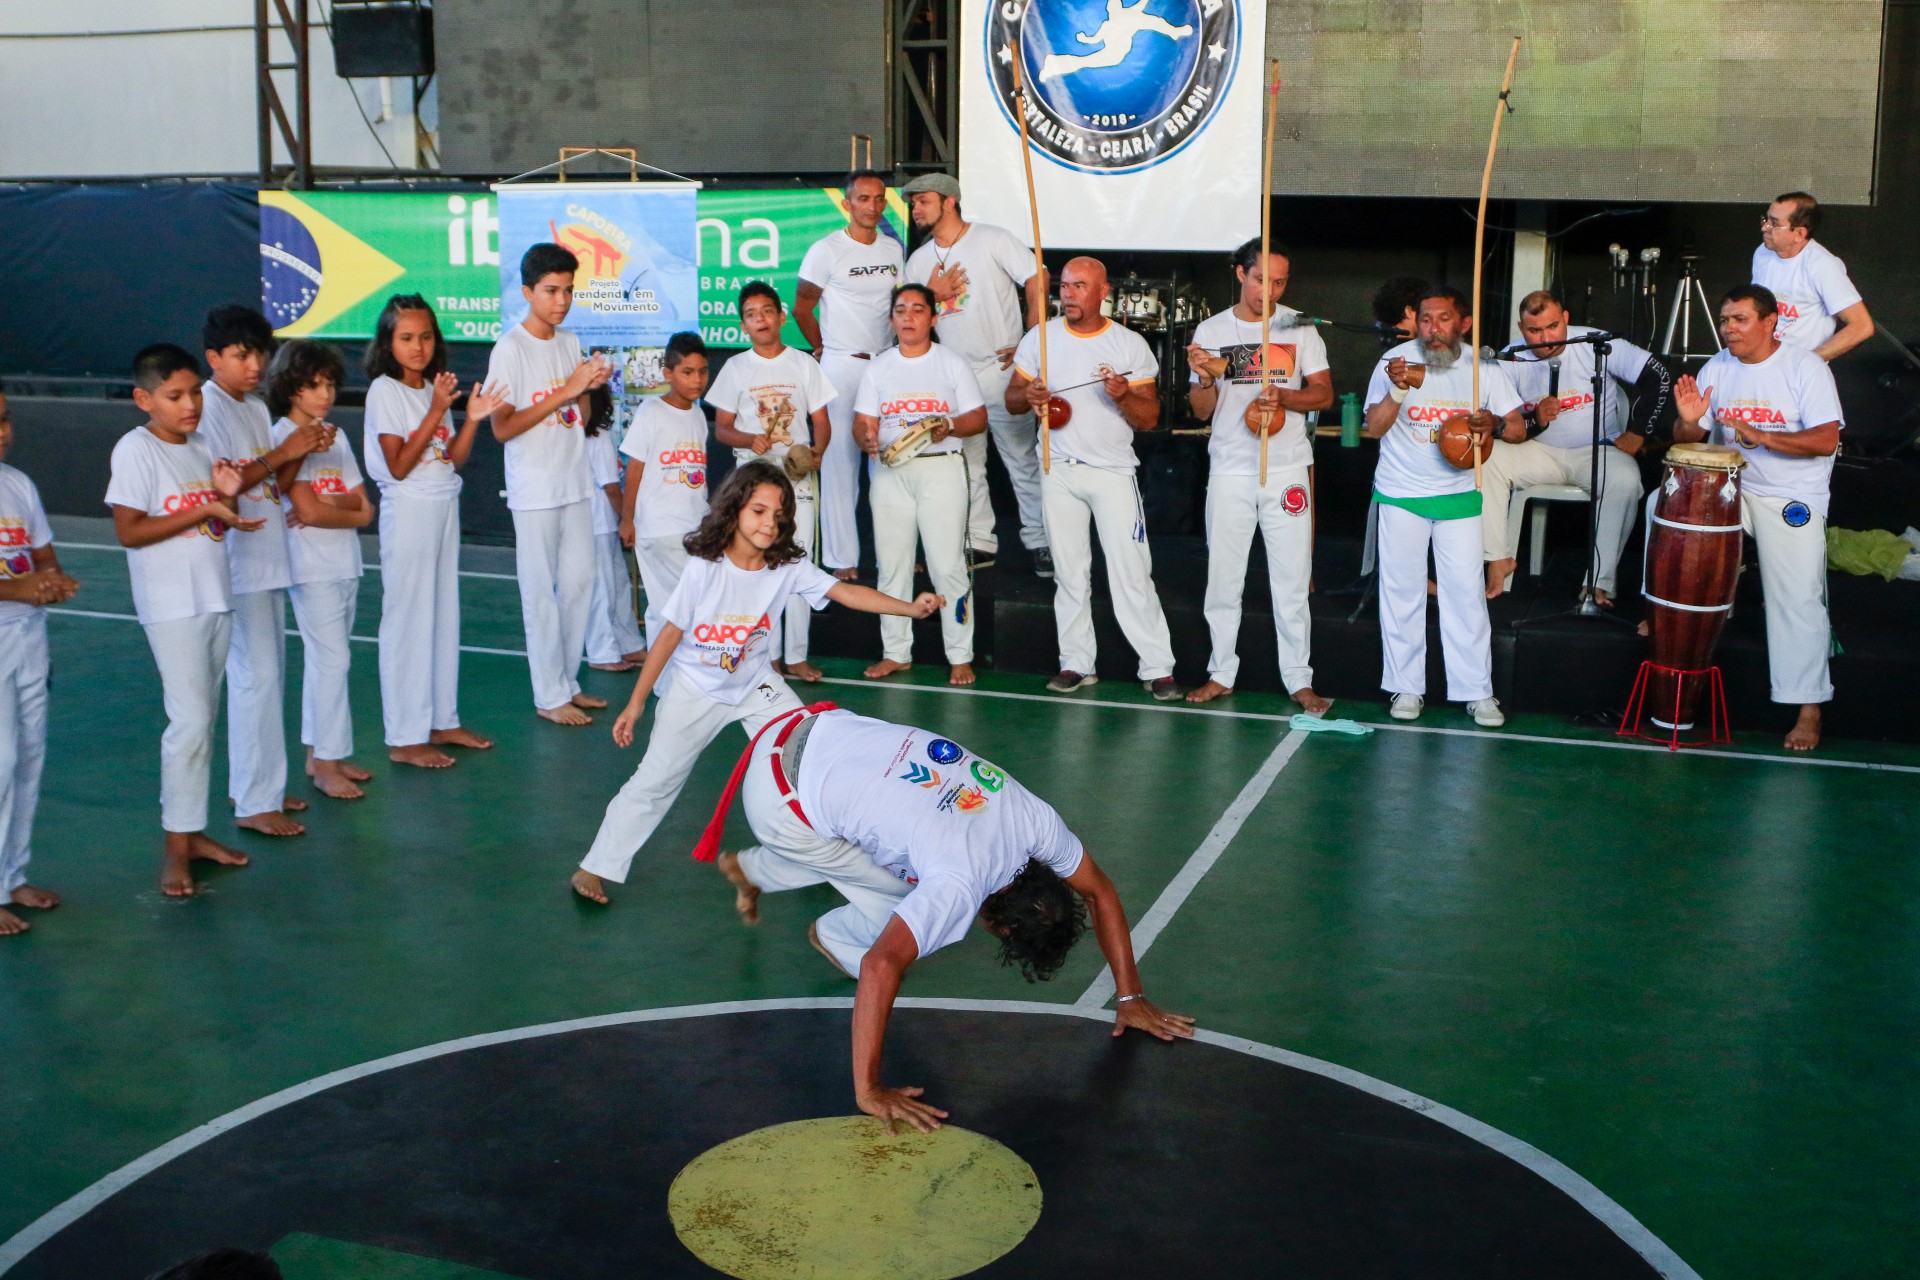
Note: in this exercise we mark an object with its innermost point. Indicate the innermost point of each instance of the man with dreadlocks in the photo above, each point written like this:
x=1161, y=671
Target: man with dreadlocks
x=921, y=837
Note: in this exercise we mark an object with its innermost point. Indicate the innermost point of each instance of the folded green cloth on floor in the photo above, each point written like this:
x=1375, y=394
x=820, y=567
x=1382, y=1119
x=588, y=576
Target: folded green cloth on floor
x=1318, y=724
x=1865, y=551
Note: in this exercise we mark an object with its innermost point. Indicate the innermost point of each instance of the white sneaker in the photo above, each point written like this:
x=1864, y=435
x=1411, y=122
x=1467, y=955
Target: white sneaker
x=1486, y=713
x=1407, y=706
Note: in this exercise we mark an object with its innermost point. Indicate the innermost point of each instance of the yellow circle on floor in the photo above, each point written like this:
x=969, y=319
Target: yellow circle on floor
x=842, y=1199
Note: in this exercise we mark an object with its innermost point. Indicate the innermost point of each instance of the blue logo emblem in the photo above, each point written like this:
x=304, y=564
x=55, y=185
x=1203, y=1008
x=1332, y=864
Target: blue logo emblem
x=940, y=751
x=1113, y=86
x=1796, y=514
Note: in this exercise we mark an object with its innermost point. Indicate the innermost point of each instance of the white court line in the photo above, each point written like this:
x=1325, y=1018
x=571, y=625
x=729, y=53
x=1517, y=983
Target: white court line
x=1181, y=887
x=370, y=568
x=1060, y=701
x=1608, y=1212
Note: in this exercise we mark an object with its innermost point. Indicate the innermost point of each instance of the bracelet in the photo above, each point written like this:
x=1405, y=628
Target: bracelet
x=1399, y=394
x=1138, y=995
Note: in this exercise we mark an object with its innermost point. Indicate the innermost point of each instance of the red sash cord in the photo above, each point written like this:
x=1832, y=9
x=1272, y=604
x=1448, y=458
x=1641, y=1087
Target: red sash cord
x=709, y=847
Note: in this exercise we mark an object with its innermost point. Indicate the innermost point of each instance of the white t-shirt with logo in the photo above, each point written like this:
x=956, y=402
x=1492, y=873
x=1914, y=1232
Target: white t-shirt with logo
x=1298, y=353
x=672, y=446
x=242, y=431
x=185, y=575
x=952, y=825
x=729, y=617
x=603, y=462
x=324, y=555
x=1410, y=462
x=772, y=397
x=1532, y=376
x=1812, y=287
x=987, y=315
x=1097, y=434
x=396, y=409
x=23, y=531
x=900, y=391
x=546, y=464
x=1791, y=390
x=856, y=288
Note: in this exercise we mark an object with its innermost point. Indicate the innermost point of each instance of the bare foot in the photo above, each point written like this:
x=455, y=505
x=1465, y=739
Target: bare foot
x=271, y=823
x=182, y=851
x=588, y=886
x=587, y=702
x=345, y=768
x=847, y=575
x=805, y=671
x=1498, y=572
x=39, y=899
x=565, y=713
x=960, y=673
x=1208, y=692
x=420, y=756
x=622, y=665
x=637, y=657
x=460, y=738
x=1312, y=703
x=1805, y=734
x=333, y=779
x=886, y=667
x=746, y=894
x=11, y=924
x=292, y=804
x=813, y=936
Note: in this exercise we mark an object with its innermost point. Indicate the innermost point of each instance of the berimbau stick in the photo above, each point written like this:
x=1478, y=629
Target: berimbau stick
x=1266, y=240
x=1500, y=109
x=1039, y=261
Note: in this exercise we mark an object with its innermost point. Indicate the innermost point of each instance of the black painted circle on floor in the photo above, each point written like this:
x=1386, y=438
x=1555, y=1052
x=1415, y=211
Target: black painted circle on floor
x=549, y=1157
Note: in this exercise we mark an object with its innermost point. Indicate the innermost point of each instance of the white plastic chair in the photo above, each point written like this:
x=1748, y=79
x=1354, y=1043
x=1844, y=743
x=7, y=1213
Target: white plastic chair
x=1516, y=513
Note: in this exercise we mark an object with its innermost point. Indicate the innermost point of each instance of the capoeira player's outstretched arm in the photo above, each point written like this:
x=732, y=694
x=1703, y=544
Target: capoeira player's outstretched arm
x=886, y=964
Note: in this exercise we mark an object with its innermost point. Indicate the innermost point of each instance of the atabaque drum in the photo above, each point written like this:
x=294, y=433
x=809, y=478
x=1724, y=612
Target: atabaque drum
x=1693, y=566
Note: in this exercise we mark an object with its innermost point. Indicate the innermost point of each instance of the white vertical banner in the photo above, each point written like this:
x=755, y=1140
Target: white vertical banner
x=1144, y=119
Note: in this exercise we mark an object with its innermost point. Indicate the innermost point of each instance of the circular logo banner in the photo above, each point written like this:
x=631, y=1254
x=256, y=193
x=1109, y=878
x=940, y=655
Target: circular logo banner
x=1113, y=87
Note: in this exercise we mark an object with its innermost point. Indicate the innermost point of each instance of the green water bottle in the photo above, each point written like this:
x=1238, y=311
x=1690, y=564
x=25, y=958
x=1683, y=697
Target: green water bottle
x=1350, y=420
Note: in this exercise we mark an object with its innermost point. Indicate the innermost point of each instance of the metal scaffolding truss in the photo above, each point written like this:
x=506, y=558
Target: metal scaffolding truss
x=924, y=88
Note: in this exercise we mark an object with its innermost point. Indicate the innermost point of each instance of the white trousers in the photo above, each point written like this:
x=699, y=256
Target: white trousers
x=1074, y=495
x=419, y=616
x=798, y=618
x=256, y=703
x=1516, y=466
x=1016, y=438
x=1793, y=578
x=553, y=558
x=1466, y=633
x=662, y=561
x=684, y=722
x=325, y=613
x=924, y=501
x=839, y=478
x=191, y=654
x=23, y=742
x=612, y=630
x=1283, y=513
x=791, y=855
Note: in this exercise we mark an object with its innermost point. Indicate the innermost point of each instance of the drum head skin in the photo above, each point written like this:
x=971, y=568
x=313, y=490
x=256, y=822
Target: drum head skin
x=1709, y=457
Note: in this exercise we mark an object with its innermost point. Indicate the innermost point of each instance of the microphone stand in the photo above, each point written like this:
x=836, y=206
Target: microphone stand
x=1602, y=344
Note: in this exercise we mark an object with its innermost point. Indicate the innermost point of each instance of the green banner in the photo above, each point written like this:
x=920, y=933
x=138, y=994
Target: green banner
x=330, y=259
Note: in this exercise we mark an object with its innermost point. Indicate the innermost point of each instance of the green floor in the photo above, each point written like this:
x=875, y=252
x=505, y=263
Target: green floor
x=1694, y=980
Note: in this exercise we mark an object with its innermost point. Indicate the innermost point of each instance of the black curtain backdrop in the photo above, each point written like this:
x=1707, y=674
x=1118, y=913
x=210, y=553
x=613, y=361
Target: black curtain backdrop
x=90, y=273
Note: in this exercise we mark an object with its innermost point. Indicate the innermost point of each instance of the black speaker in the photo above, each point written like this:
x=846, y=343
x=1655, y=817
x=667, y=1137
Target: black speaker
x=382, y=39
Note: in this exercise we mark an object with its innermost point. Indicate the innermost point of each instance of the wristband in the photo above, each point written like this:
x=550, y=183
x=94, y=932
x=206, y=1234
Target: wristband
x=1399, y=394
x=1138, y=995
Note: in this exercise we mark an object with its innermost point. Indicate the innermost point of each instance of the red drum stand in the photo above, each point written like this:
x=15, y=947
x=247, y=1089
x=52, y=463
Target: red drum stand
x=1718, y=729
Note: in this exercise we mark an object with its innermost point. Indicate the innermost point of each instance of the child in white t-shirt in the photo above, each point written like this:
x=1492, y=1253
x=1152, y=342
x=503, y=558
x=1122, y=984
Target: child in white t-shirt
x=30, y=580
x=325, y=492
x=614, y=642
x=666, y=480
x=745, y=565
x=173, y=503
x=543, y=382
x=415, y=455
x=769, y=402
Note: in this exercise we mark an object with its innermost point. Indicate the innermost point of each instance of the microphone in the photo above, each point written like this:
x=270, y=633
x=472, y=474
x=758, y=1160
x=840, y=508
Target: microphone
x=1553, y=376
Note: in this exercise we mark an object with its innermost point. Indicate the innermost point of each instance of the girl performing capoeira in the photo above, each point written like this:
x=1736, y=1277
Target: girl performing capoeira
x=744, y=567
